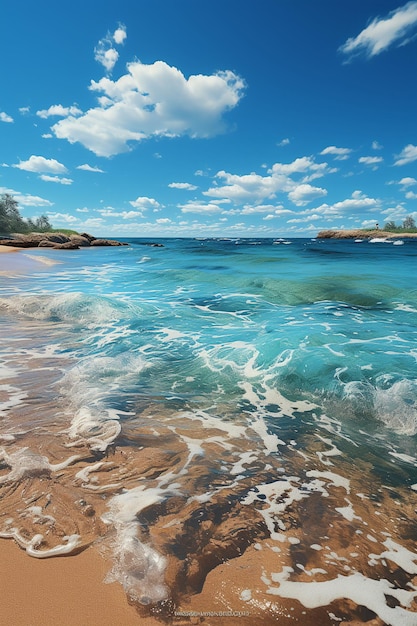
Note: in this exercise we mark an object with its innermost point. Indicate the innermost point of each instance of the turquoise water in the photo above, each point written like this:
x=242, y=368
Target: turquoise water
x=304, y=349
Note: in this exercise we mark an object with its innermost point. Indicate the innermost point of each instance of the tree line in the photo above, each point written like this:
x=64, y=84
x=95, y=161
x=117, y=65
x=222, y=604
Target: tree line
x=408, y=224
x=12, y=222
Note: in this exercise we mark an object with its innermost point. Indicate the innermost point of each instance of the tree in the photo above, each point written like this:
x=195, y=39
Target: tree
x=10, y=218
x=12, y=222
x=42, y=224
x=409, y=223
x=390, y=225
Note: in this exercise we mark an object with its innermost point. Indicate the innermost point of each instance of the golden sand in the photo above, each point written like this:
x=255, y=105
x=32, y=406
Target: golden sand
x=64, y=591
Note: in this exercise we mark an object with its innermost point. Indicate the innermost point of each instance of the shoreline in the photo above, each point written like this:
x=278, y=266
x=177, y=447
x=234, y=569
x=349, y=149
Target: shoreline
x=361, y=234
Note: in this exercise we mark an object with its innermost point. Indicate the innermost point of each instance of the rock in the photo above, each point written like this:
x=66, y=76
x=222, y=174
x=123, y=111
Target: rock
x=67, y=245
x=80, y=240
x=46, y=243
x=107, y=242
x=57, y=240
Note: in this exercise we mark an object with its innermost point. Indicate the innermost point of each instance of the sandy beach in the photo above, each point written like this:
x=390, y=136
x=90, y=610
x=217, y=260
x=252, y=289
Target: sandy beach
x=66, y=591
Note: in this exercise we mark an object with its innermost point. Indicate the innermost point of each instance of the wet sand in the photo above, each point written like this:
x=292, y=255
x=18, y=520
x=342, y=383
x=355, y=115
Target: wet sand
x=64, y=591
x=13, y=264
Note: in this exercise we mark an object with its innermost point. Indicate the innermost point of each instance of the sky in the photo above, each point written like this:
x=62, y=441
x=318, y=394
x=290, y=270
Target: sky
x=195, y=118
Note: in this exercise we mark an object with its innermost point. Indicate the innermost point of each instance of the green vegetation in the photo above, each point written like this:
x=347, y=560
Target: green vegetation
x=12, y=222
x=408, y=226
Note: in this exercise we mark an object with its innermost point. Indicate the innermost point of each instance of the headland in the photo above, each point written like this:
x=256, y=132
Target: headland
x=363, y=234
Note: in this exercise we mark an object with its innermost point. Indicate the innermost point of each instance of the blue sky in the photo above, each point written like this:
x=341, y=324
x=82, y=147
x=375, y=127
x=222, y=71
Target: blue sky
x=210, y=118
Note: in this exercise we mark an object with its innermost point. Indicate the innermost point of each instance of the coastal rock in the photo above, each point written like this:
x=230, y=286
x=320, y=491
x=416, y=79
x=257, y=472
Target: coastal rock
x=57, y=240
x=107, y=242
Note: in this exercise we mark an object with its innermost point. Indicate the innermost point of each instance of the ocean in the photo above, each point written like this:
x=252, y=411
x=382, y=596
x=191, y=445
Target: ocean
x=231, y=422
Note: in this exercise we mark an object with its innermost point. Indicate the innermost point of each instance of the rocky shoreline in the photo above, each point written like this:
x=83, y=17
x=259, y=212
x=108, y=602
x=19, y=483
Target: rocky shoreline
x=361, y=234
x=58, y=240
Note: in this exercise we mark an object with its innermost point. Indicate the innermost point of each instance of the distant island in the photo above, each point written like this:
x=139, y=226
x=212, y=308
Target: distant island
x=364, y=234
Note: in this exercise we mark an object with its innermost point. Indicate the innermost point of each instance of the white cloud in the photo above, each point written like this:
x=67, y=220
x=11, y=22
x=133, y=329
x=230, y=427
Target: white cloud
x=120, y=34
x=40, y=164
x=370, y=160
x=200, y=207
x=144, y=203
x=407, y=181
x=187, y=186
x=303, y=194
x=125, y=215
x=56, y=179
x=407, y=155
x=65, y=218
x=163, y=220
x=411, y=195
x=357, y=203
x=283, y=142
x=376, y=145
x=6, y=118
x=26, y=199
x=47, y=136
x=340, y=154
x=263, y=208
x=152, y=101
x=89, y=168
x=58, y=110
x=105, y=53
x=83, y=210
x=24, y=110
x=384, y=32
x=254, y=188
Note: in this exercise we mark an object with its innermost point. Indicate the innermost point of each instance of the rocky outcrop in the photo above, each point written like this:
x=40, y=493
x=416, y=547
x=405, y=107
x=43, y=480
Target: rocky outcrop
x=59, y=241
x=360, y=234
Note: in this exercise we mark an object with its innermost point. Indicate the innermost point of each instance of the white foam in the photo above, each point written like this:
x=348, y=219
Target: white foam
x=32, y=545
x=334, y=479
x=138, y=566
x=94, y=428
x=395, y=552
x=355, y=587
x=25, y=463
x=278, y=495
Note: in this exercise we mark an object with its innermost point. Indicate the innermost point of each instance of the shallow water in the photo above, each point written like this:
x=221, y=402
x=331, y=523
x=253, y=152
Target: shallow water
x=233, y=419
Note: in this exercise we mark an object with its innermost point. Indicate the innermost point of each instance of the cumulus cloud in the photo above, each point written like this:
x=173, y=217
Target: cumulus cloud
x=303, y=194
x=120, y=34
x=41, y=164
x=187, y=186
x=397, y=28
x=407, y=155
x=6, y=118
x=357, y=203
x=376, y=145
x=59, y=111
x=340, y=154
x=65, y=218
x=144, y=203
x=89, y=168
x=283, y=142
x=105, y=53
x=56, y=179
x=200, y=207
x=26, y=199
x=154, y=100
x=254, y=188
